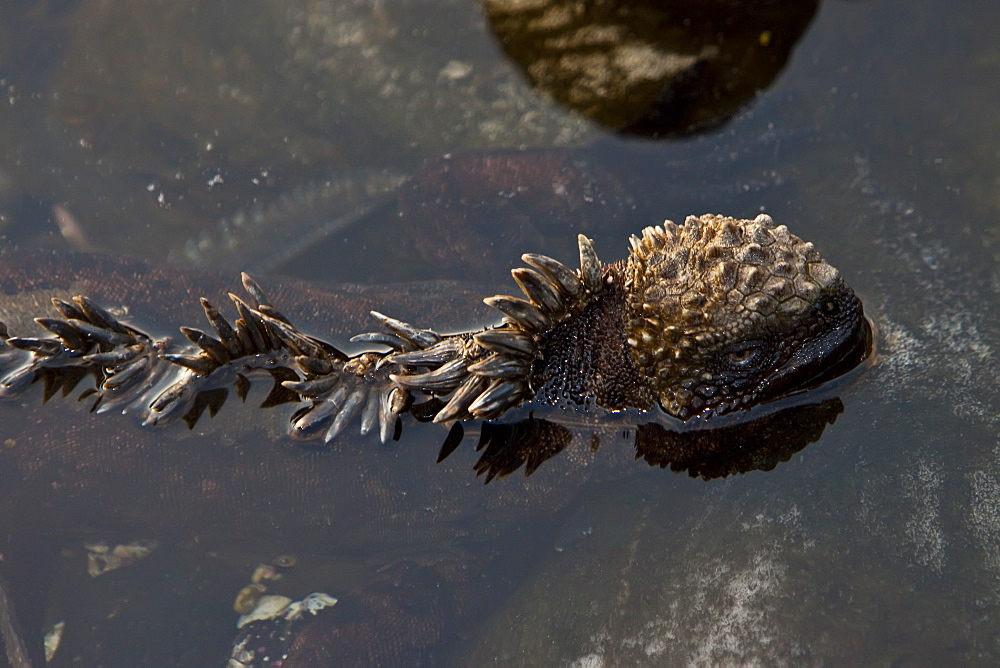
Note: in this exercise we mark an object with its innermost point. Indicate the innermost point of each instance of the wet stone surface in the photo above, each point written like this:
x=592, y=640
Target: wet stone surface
x=878, y=543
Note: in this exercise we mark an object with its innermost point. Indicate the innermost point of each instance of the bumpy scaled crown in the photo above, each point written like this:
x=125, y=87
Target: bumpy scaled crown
x=696, y=288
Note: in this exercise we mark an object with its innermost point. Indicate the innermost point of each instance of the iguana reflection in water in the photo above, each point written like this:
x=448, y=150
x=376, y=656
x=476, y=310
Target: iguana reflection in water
x=702, y=325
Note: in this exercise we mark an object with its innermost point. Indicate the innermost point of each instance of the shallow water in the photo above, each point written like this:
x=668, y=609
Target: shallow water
x=878, y=142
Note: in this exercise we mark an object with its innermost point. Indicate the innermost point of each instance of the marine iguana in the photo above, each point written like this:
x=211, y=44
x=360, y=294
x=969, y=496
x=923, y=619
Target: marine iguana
x=702, y=319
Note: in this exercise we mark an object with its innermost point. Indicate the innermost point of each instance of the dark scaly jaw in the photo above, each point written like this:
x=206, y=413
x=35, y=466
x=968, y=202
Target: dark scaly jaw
x=845, y=343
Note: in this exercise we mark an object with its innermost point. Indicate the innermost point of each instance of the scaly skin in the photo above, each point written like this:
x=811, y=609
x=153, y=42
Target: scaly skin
x=700, y=320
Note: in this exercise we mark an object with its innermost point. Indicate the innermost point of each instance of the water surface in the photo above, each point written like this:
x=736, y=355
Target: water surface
x=878, y=142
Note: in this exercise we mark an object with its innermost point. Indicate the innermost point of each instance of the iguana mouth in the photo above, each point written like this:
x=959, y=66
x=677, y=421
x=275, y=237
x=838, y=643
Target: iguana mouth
x=822, y=360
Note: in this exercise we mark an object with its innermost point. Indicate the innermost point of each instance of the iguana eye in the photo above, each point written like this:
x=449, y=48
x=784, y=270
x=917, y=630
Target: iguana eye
x=744, y=357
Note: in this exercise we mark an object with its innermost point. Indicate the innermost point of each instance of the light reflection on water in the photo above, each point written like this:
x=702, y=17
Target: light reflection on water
x=880, y=541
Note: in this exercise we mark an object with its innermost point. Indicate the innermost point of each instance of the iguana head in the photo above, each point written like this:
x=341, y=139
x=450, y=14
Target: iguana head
x=724, y=314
